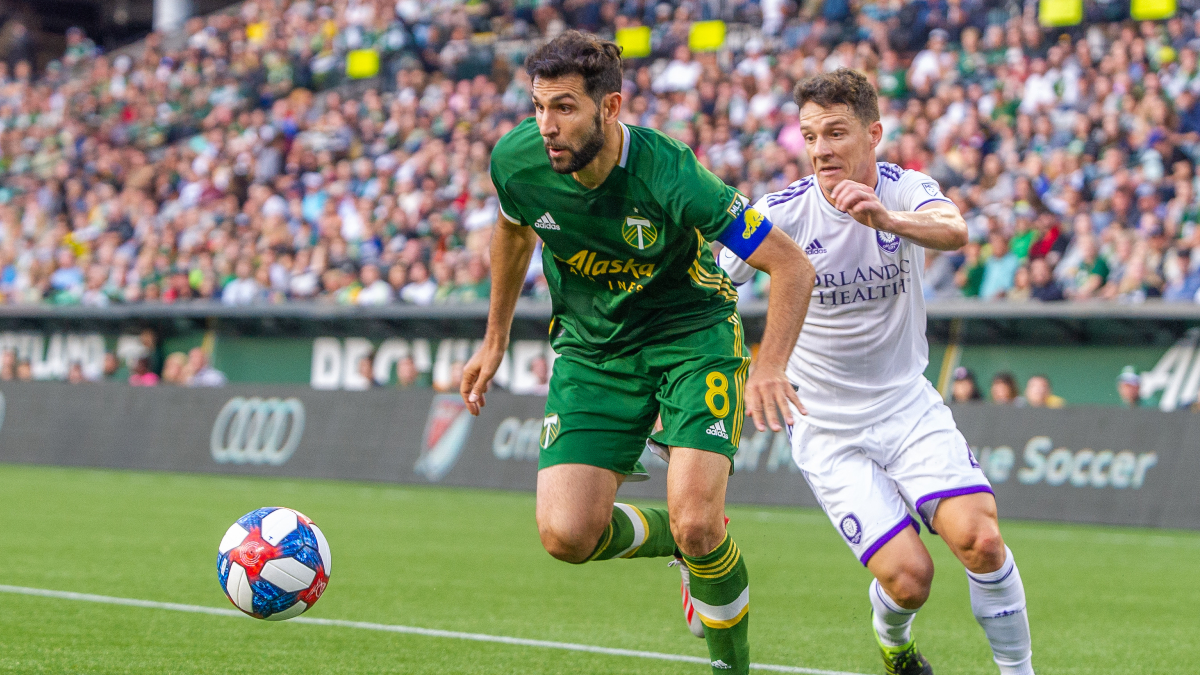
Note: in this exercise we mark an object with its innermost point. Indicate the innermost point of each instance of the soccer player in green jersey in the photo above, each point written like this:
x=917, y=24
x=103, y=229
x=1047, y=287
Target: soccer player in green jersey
x=646, y=325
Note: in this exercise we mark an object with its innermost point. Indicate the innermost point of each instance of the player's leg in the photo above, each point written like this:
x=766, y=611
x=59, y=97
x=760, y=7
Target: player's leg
x=719, y=581
x=969, y=525
x=597, y=416
x=702, y=411
x=578, y=520
x=866, y=508
x=939, y=476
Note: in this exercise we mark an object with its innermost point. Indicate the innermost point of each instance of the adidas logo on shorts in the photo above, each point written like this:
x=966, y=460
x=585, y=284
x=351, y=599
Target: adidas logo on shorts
x=814, y=248
x=546, y=222
x=718, y=429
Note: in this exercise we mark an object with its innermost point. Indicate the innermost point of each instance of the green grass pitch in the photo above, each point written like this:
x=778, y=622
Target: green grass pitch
x=1102, y=600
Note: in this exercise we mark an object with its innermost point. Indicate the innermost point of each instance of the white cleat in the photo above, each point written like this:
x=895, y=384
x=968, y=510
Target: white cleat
x=690, y=615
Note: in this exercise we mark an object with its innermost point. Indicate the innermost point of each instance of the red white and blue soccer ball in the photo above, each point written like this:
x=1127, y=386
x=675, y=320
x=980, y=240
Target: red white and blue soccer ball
x=273, y=563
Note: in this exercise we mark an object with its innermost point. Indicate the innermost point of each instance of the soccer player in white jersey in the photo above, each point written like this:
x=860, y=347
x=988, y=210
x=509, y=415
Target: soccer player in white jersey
x=878, y=446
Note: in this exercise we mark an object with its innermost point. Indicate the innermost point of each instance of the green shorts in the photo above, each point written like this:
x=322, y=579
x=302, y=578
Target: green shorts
x=600, y=413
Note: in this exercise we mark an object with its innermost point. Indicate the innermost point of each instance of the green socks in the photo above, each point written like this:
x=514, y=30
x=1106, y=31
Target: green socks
x=720, y=588
x=635, y=532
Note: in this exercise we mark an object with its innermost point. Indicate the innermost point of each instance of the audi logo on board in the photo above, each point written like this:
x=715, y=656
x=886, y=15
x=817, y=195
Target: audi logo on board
x=257, y=430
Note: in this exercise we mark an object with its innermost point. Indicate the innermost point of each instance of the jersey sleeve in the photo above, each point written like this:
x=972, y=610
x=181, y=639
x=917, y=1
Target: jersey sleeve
x=695, y=197
x=915, y=190
x=739, y=270
x=508, y=210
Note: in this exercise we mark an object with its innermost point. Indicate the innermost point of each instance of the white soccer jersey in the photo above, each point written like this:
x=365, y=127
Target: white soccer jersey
x=863, y=350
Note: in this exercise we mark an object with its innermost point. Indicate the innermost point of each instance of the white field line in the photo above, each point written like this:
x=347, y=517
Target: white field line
x=408, y=630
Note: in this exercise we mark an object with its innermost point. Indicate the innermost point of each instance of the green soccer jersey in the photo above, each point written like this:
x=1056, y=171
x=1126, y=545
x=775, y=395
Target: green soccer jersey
x=627, y=262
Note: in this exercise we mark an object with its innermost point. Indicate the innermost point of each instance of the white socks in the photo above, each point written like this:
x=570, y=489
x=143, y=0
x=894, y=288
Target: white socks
x=998, y=602
x=892, y=622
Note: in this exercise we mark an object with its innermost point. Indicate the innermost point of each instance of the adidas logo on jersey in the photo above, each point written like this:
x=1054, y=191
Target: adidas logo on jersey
x=721, y=665
x=815, y=248
x=546, y=222
x=718, y=429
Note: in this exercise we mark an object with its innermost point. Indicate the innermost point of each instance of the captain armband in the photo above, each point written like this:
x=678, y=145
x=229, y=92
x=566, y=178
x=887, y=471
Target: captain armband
x=743, y=235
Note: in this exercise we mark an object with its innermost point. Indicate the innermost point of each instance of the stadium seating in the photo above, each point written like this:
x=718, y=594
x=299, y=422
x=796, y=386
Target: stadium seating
x=338, y=152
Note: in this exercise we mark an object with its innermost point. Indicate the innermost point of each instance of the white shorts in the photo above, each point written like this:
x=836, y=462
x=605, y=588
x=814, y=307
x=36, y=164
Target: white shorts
x=872, y=480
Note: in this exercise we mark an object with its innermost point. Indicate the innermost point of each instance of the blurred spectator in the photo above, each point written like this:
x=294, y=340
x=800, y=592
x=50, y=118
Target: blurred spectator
x=244, y=289
x=539, y=369
x=1043, y=285
x=1038, y=393
x=999, y=270
x=964, y=389
x=1129, y=385
x=366, y=371
x=8, y=365
x=140, y=374
x=1004, y=388
x=75, y=374
x=151, y=350
x=375, y=291
x=407, y=374
x=172, y=372
x=420, y=288
x=111, y=365
x=198, y=372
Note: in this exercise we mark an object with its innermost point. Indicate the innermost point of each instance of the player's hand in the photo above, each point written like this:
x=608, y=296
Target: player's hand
x=861, y=202
x=767, y=390
x=478, y=374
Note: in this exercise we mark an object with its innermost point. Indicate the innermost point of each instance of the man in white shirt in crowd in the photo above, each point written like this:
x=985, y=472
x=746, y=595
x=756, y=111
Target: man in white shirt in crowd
x=878, y=445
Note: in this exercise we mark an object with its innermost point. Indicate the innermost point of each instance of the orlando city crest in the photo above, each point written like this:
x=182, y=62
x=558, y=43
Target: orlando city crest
x=446, y=432
x=887, y=241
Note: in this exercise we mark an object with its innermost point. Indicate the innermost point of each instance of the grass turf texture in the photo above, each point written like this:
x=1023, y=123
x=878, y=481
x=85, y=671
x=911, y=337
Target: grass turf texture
x=1102, y=600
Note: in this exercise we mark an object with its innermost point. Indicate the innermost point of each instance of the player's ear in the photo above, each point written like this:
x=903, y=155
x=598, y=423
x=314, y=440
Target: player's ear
x=876, y=130
x=610, y=107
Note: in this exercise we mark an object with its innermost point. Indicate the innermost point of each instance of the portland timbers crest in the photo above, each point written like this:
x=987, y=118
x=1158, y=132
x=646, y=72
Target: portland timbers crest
x=550, y=429
x=639, y=233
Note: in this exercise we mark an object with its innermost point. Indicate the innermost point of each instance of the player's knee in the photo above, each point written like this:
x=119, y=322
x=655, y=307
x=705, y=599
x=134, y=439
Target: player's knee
x=909, y=585
x=696, y=536
x=982, y=550
x=567, y=545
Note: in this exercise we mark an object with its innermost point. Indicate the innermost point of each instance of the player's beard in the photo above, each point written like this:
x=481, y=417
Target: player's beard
x=581, y=155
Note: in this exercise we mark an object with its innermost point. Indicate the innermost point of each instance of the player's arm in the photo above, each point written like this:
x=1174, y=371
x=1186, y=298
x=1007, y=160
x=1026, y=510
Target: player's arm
x=512, y=247
x=792, y=279
x=936, y=224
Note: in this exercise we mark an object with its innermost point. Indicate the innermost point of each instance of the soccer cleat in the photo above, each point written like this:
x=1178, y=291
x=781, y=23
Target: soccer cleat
x=690, y=616
x=904, y=660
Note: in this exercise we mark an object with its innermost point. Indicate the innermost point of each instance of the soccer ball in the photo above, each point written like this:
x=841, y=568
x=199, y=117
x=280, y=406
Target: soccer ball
x=273, y=563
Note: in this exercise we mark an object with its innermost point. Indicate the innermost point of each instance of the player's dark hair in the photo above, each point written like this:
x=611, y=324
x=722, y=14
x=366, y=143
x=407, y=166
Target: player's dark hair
x=575, y=53
x=841, y=87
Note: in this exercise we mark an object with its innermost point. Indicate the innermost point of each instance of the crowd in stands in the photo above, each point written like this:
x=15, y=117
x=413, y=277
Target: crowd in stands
x=236, y=163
